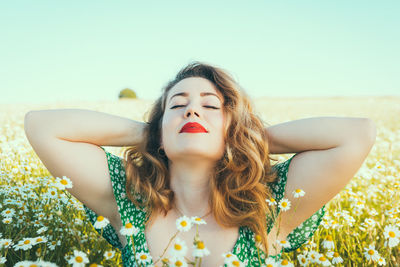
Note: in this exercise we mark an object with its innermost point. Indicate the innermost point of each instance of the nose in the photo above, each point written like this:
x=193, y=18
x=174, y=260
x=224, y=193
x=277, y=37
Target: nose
x=191, y=110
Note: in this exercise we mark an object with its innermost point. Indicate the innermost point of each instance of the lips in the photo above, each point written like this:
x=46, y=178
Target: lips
x=193, y=127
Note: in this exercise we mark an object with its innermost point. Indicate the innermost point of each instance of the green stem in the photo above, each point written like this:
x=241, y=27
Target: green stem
x=134, y=250
x=258, y=253
x=172, y=238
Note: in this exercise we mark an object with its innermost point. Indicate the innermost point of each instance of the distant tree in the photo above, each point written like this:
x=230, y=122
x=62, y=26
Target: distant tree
x=127, y=93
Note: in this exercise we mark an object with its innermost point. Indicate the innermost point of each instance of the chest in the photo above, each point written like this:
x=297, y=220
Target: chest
x=160, y=239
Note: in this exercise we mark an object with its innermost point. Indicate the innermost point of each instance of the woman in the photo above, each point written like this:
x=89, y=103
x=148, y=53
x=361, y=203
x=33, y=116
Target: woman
x=202, y=152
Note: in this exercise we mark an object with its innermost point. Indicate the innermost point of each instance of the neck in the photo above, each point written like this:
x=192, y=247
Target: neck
x=191, y=185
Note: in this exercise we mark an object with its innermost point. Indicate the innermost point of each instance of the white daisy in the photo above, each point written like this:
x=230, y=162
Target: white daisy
x=5, y=243
x=24, y=264
x=178, y=249
x=199, y=250
x=177, y=261
x=328, y=243
x=42, y=230
x=231, y=260
x=302, y=260
x=381, y=261
x=197, y=220
x=183, y=224
x=298, y=193
x=39, y=239
x=78, y=259
x=101, y=222
x=283, y=243
x=312, y=256
x=46, y=264
x=284, y=204
x=271, y=201
x=323, y=260
x=392, y=233
x=270, y=262
x=9, y=212
x=143, y=257
x=24, y=244
x=336, y=258
x=52, y=193
x=129, y=230
x=62, y=183
x=370, y=253
x=285, y=263
x=109, y=254
x=7, y=220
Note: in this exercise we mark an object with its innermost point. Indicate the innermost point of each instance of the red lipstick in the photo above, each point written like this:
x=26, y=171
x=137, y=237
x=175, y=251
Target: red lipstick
x=193, y=127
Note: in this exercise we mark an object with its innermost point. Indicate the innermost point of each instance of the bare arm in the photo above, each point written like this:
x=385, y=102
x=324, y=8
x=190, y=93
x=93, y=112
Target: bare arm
x=329, y=151
x=80, y=125
x=67, y=142
x=318, y=133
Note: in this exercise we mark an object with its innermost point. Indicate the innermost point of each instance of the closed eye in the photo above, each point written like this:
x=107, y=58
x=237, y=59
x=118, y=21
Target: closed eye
x=184, y=105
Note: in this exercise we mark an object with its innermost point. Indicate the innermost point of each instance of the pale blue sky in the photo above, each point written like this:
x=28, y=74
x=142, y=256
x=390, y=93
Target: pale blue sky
x=90, y=50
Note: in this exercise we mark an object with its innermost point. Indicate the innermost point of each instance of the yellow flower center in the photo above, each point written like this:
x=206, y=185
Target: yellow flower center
x=284, y=262
x=235, y=263
x=33, y=265
x=128, y=225
x=26, y=242
x=198, y=219
x=178, y=263
x=200, y=245
x=335, y=254
x=284, y=204
x=39, y=239
x=370, y=252
x=322, y=258
x=258, y=238
x=143, y=257
x=78, y=259
x=329, y=238
x=64, y=182
x=183, y=223
x=298, y=190
x=392, y=234
x=178, y=247
x=100, y=218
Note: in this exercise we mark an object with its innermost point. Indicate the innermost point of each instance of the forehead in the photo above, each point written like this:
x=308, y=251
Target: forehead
x=194, y=86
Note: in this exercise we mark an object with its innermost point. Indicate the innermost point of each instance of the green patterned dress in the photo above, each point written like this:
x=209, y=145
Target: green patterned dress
x=245, y=248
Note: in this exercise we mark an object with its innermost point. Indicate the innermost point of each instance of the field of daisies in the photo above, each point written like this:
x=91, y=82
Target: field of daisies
x=41, y=224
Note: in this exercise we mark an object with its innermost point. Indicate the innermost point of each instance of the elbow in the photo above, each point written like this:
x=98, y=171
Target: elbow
x=368, y=134
x=371, y=131
x=28, y=121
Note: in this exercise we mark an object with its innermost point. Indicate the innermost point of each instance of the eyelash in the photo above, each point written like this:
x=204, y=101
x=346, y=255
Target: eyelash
x=183, y=105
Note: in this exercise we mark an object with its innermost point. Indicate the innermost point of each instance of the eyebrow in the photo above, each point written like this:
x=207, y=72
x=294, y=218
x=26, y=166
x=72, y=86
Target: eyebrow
x=201, y=94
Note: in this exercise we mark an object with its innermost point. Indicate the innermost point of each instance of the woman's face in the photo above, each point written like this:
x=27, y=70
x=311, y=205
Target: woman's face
x=200, y=102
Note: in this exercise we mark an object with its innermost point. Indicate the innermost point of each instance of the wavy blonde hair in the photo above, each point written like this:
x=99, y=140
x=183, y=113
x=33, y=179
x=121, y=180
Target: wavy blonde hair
x=238, y=186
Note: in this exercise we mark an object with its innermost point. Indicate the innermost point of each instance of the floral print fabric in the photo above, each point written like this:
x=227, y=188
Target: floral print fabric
x=245, y=248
